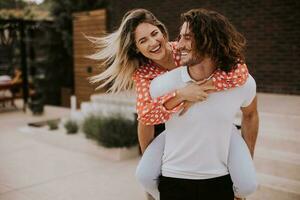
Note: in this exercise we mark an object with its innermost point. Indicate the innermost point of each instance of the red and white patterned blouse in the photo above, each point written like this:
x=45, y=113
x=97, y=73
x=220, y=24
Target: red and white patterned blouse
x=152, y=111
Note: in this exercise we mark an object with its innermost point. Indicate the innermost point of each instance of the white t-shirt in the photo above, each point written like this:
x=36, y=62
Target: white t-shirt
x=197, y=142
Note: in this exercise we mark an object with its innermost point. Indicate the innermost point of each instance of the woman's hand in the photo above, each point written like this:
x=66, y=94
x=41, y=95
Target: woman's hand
x=186, y=106
x=197, y=91
x=205, y=87
x=210, y=84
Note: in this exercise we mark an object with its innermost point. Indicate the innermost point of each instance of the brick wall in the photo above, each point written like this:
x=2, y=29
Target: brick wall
x=271, y=27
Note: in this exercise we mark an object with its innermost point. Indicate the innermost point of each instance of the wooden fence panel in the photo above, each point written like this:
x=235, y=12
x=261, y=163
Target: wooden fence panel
x=92, y=23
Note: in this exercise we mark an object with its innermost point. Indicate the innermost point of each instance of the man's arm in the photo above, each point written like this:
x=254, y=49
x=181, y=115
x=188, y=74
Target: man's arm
x=249, y=125
x=145, y=135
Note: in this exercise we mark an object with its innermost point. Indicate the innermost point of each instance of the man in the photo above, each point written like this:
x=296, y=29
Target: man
x=197, y=143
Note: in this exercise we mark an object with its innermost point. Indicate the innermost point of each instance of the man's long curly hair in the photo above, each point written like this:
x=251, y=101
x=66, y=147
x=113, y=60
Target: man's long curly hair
x=216, y=37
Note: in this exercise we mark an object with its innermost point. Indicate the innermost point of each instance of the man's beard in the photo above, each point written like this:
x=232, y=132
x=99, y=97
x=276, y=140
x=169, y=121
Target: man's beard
x=194, y=60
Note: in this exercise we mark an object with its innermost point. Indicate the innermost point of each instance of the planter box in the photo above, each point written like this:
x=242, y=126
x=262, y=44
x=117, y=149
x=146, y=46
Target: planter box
x=119, y=154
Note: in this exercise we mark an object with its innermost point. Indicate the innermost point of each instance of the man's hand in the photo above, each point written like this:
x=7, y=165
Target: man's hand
x=145, y=135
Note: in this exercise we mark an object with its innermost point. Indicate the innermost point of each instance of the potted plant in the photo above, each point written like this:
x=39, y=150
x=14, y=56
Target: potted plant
x=53, y=124
x=71, y=126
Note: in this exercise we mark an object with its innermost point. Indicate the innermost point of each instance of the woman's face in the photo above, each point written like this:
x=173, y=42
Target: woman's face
x=150, y=41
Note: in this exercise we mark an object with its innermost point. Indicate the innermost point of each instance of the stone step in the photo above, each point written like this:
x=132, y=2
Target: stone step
x=276, y=188
x=108, y=104
x=279, y=142
x=104, y=108
x=279, y=122
x=277, y=163
x=279, y=104
x=280, y=134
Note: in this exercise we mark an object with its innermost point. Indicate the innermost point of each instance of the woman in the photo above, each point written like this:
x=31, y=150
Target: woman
x=140, y=49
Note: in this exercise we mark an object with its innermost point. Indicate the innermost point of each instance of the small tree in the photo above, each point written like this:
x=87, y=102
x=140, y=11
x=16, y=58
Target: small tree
x=9, y=4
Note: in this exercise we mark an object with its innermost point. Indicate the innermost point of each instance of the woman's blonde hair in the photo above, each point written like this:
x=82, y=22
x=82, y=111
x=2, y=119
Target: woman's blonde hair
x=118, y=53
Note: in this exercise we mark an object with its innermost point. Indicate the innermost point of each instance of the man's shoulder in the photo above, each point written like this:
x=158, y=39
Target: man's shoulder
x=173, y=75
x=249, y=87
x=248, y=91
x=250, y=83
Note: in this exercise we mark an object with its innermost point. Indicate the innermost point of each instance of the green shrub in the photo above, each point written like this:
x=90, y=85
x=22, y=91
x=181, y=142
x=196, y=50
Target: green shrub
x=71, y=126
x=111, y=131
x=117, y=132
x=91, y=127
x=53, y=125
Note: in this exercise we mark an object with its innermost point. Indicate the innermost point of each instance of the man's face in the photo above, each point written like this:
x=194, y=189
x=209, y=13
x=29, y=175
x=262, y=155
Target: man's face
x=186, y=43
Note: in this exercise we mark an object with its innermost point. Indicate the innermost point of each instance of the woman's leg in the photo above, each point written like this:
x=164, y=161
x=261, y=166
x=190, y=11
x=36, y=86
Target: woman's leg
x=241, y=166
x=149, y=167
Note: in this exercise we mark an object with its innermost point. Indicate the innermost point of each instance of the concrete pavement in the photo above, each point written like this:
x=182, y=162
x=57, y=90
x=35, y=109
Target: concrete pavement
x=39, y=165
x=36, y=164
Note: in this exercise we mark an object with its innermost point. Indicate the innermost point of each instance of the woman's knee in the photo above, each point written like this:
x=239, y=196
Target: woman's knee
x=246, y=189
x=147, y=180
